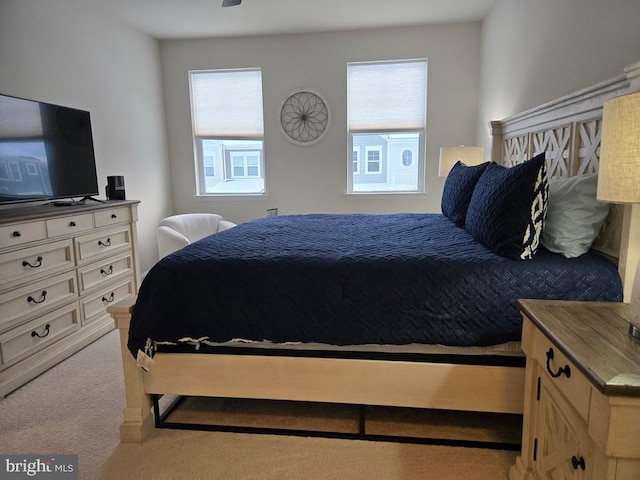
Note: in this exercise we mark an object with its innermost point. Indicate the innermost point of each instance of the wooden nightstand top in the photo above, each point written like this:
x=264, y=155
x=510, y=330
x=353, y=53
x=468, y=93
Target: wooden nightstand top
x=594, y=335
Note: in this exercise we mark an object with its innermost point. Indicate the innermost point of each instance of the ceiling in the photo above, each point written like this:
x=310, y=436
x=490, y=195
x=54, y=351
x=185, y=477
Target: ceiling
x=176, y=19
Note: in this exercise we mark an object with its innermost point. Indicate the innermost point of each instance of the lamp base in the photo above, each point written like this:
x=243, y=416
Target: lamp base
x=634, y=331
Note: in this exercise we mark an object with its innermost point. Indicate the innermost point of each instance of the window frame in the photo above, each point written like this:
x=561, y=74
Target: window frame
x=220, y=167
x=418, y=157
x=368, y=161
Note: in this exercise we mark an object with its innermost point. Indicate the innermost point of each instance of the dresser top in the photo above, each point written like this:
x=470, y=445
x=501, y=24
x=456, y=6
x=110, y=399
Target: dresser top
x=594, y=335
x=32, y=212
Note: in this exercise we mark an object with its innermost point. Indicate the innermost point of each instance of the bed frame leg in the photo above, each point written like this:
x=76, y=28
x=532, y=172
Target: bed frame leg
x=137, y=422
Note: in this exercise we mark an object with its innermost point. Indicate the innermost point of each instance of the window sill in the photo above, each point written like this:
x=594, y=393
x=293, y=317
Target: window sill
x=230, y=196
x=368, y=195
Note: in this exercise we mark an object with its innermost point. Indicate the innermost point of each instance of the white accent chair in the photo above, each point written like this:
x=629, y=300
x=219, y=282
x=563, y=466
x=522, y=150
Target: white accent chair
x=178, y=231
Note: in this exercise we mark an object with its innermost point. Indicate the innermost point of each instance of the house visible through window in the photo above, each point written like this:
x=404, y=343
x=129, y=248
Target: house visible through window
x=387, y=122
x=228, y=131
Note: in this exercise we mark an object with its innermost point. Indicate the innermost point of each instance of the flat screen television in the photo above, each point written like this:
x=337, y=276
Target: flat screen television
x=46, y=152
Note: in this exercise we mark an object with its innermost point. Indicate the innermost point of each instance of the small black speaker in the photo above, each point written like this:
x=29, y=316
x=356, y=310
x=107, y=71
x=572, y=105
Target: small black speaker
x=115, y=188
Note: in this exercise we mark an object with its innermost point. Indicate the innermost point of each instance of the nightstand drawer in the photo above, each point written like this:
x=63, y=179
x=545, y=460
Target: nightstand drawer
x=563, y=374
x=26, y=339
x=31, y=300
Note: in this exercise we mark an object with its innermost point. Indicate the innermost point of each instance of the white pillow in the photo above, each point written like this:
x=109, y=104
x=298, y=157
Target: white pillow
x=574, y=215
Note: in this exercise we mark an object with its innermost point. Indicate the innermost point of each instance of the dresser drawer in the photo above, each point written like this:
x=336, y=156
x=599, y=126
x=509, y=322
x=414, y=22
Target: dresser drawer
x=69, y=225
x=104, y=218
x=21, y=233
x=575, y=386
x=100, y=244
x=106, y=271
x=31, y=263
x=35, y=335
x=31, y=300
x=94, y=306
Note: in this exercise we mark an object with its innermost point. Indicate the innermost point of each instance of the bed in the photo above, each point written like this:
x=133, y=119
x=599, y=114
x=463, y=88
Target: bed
x=326, y=352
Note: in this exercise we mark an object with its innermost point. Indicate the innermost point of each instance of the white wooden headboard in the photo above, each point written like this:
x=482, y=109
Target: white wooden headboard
x=568, y=130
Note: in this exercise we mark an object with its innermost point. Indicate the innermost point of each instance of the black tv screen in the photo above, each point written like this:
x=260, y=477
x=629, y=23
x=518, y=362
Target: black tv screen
x=46, y=152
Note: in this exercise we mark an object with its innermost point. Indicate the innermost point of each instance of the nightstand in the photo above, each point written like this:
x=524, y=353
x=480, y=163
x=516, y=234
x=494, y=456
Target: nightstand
x=582, y=393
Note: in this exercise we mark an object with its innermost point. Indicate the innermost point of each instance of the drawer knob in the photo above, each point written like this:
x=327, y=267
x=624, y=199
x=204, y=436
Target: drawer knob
x=109, y=271
x=47, y=329
x=113, y=215
x=105, y=244
x=34, y=265
x=562, y=370
x=72, y=224
x=110, y=299
x=16, y=234
x=43, y=297
x=577, y=462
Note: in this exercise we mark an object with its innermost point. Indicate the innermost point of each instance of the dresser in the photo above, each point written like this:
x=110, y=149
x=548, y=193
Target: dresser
x=582, y=393
x=60, y=267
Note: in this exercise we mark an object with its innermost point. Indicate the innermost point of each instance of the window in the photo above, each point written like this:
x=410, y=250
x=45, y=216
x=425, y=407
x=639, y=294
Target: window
x=387, y=104
x=356, y=160
x=374, y=159
x=228, y=131
x=245, y=165
x=407, y=158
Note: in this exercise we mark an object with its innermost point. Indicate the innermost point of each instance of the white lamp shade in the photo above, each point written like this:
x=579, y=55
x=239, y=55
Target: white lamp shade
x=619, y=170
x=449, y=156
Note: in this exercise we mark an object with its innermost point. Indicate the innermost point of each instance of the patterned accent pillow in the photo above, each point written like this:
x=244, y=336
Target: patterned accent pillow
x=508, y=207
x=458, y=189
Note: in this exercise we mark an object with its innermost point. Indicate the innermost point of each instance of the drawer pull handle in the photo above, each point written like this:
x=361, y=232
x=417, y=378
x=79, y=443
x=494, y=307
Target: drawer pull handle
x=72, y=224
x=35, y=265
x=566, y=369
x=105, y=244
x=47, y=329
x=577, y=462
x=113, y=215
x=30, y=299
x=111, y=298
x=16, y=234
x=109, y=271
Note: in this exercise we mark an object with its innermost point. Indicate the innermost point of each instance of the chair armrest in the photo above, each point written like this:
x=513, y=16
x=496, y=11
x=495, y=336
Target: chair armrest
x=169, y=241
x=225, y=225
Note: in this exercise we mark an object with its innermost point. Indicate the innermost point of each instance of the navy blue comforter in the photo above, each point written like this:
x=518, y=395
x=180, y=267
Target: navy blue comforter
x=354, y=279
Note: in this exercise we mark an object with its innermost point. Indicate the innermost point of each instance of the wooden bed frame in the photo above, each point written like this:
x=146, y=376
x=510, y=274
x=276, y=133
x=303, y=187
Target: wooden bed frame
x=567, y=129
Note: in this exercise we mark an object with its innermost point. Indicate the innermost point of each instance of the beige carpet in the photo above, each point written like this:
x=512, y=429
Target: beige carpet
x=76, y=407
x=174, y=454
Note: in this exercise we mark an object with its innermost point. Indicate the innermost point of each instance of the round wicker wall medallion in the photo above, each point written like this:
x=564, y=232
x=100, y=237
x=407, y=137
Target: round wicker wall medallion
x=304, y=117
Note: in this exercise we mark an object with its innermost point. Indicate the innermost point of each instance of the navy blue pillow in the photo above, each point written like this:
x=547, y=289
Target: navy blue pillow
x=508, y=206
x=458, y=189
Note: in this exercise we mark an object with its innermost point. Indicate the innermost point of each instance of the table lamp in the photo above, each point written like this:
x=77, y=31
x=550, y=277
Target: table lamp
x=449, y=156
x=619, y=171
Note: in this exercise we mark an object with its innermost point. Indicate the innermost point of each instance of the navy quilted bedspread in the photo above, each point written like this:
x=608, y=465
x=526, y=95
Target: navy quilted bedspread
x=354, y=279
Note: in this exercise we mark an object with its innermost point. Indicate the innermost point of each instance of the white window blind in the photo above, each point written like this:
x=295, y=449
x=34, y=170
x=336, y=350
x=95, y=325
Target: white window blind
x=227, y=104
x=387, y=96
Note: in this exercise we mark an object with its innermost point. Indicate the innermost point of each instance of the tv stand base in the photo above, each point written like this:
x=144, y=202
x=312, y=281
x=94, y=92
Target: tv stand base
x=71, y=203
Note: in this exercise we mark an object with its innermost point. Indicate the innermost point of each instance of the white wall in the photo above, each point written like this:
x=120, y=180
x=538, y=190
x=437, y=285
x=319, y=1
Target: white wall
x=313, y=178
x=536, y=51
x=69, y=53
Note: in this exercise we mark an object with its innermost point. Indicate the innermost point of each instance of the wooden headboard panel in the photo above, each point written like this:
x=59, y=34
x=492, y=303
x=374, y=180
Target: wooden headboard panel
x=568, y=130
